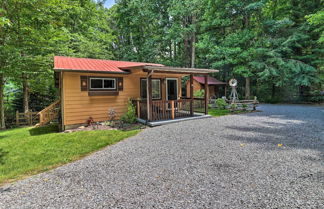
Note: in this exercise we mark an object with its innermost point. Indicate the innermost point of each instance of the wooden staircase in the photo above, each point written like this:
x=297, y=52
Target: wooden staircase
x=49, y=114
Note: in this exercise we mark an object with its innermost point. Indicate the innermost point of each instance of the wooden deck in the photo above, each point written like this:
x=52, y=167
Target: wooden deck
x=165, y=110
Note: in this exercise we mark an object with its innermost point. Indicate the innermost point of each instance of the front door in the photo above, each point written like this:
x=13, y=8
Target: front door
x=172, y=88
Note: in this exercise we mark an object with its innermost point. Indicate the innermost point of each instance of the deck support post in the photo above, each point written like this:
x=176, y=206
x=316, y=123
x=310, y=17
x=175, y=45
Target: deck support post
x=172, y=109
x=206, y=94
x=191, y=95
x=149, y=95
x=138, y=109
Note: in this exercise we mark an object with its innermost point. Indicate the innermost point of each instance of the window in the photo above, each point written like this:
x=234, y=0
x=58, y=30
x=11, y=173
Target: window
x=156, y=88
x=102, y=83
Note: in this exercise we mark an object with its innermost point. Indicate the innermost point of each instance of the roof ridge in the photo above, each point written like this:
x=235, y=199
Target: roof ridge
x=107, y=60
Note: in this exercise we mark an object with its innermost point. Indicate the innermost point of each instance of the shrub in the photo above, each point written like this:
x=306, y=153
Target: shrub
x=111, y=118
x=221, y=103
x=233, y=107
x=130, y=115
x=90, y=121
x=111, y=115
x=316, y=96
x=244, y=106
x=199, y=93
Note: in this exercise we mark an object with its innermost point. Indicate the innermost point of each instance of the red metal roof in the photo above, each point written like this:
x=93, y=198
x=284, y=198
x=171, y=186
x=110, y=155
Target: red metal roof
x=96, y=65
x=211, y=80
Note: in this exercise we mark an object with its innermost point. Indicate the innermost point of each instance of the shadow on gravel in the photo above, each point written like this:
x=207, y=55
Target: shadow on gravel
x=295, y=127
x=3, y=190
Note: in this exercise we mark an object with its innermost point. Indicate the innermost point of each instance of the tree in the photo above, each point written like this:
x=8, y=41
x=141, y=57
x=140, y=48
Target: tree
x=33, y=31
x=317, y=20
x=231, y=36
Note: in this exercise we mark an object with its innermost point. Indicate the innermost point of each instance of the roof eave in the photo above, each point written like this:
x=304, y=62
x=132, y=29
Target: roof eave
x=89, y=71
x=180, y=70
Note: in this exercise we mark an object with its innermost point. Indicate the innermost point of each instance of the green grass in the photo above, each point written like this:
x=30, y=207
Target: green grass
x=217, y=112
x=26, y=151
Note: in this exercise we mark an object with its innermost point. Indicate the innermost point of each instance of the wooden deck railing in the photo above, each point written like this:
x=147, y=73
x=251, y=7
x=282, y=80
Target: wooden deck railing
x=50, y=113
x=162, y=110
x=168, y=109
x=199, y=105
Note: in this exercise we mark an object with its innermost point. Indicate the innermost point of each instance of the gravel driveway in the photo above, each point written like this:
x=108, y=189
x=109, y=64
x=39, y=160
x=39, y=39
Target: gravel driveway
x=225, y=162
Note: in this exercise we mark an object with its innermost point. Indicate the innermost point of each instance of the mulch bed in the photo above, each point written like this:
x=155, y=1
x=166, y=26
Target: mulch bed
x=102, y=126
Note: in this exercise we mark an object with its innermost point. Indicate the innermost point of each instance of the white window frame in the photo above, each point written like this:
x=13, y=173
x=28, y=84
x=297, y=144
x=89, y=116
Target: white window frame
x=103, y=79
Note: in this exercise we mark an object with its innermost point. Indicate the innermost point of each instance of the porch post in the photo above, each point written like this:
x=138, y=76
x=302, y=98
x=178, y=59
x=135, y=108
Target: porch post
x=138, y=109
x=149, y=95
x=206, y=94
x=191, y=95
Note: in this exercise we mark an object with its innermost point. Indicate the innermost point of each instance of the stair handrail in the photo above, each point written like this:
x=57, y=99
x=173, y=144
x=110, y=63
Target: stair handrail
x=41, y=114
x=49, y=106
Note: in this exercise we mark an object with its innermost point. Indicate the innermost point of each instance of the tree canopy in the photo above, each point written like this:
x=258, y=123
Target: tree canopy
x=273, y=47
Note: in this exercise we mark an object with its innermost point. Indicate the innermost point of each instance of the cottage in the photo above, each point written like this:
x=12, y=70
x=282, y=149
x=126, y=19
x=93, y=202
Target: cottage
x=91, y=87
x=214, y=86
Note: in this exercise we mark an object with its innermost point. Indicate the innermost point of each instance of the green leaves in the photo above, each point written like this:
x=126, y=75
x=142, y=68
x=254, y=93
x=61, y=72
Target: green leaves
x=271, y=42
x=317, y=20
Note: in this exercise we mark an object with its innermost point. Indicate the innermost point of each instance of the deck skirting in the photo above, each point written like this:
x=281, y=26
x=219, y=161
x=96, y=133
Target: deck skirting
x=164, y=122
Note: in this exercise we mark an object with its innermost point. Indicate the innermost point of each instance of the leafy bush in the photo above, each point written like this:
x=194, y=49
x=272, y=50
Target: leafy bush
x=221, y=103
x=316, y=96
x=112, y=114
x=233, y=107
x=130, y=115
x=244, y=106
x=199, y=93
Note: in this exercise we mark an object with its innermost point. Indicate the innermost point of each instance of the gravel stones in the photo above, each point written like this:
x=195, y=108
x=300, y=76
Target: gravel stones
x=225, y=162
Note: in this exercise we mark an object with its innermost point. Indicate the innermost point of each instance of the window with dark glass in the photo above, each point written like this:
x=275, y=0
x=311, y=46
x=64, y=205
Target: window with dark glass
x=156, y=89
x=102, y=83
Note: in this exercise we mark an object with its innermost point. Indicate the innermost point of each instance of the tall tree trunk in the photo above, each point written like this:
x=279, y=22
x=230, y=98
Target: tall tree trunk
x=193, y=50
x=170, y=51
x=26, y=93
x=2, y=119
x=186, y=52
x=273, y=91
x=174, y=51
x=193, y=44
x=247, y=88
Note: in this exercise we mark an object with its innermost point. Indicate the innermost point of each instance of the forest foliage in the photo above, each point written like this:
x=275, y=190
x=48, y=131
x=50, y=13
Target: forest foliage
x=273, y=47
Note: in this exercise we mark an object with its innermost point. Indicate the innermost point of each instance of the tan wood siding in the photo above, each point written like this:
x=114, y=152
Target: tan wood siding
x=78, y=106
x=213, y=90
x=196, y=86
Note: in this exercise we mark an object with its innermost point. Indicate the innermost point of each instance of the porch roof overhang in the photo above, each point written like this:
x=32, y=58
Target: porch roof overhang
x=179, y=70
